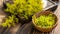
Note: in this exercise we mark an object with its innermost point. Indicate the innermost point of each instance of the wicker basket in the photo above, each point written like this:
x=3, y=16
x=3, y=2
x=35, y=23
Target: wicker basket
x=44, y=29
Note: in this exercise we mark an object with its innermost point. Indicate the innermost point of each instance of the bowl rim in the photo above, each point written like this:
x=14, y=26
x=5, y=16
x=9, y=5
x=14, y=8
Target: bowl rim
x=43, y=27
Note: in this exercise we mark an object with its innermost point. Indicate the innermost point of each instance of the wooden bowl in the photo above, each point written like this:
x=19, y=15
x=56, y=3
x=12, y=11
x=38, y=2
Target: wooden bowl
x=41, y=28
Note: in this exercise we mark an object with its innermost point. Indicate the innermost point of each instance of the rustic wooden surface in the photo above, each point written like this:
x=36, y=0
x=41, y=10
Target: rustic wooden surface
x=57, y=12
x=13, y=30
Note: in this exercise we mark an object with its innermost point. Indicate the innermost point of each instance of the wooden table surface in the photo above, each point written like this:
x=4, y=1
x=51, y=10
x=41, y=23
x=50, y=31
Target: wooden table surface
x=57, y=29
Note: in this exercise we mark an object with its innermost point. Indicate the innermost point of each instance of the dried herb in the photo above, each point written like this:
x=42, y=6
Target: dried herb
x=45, y=21
x=24, y=8
x=10, y=21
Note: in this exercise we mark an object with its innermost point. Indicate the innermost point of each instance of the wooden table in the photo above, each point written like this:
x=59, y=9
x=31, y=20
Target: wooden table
x=57, y=29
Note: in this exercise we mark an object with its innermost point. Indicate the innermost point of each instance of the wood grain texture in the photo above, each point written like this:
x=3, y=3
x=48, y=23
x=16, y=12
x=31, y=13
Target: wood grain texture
x=57, y=12
x=2, y=16
x=27, y=30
